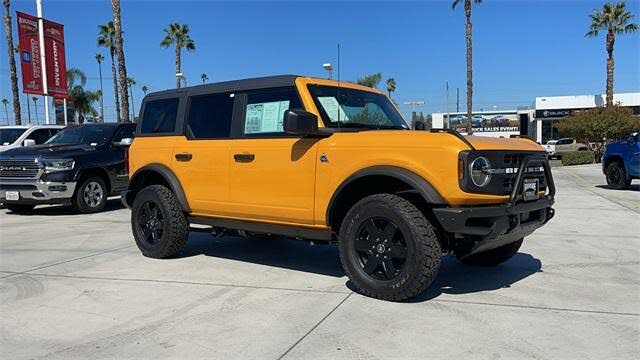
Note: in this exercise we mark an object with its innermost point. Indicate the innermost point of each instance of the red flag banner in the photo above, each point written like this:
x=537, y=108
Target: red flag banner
x=29, y=47
x=56, y=64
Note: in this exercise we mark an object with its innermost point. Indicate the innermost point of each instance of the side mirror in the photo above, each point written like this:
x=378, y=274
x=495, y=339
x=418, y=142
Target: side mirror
x=123, y=143
x=300, y=122
x=420, y=125
x=29, y=142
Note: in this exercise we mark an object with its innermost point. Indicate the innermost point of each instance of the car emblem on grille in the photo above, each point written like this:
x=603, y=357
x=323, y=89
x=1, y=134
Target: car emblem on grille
x=12, y=168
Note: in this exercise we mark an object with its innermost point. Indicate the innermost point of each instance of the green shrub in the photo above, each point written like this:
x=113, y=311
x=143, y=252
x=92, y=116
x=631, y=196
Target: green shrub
x=578, y=157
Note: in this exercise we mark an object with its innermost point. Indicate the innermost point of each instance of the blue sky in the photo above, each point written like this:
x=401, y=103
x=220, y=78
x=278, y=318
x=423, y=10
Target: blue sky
x=522, y=49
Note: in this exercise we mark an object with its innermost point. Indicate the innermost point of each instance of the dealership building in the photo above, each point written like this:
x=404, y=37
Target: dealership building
x=539, y=123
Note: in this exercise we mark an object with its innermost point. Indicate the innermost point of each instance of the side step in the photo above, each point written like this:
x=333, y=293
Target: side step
x=256, y=227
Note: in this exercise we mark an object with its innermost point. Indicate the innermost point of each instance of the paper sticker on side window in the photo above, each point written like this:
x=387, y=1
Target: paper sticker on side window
x=265, y=117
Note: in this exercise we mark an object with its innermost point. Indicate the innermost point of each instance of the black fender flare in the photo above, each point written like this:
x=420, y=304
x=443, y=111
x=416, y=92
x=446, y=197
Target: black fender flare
x=421, y=185
x=171, y=179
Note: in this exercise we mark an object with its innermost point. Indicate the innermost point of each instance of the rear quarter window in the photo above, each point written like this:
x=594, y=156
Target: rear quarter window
x=159, y=116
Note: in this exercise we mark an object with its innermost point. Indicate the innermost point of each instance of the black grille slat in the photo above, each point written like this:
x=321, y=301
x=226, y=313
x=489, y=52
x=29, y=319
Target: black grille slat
x=19, y=169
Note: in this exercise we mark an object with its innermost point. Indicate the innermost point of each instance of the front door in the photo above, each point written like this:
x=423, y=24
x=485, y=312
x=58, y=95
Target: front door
x=272, y=174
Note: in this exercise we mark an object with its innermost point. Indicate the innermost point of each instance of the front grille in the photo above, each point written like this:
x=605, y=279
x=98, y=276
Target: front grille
x=19, y=169
x=513, y=160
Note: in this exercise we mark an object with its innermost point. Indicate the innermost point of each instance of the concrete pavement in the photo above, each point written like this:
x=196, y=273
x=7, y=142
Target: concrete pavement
x=75, y=286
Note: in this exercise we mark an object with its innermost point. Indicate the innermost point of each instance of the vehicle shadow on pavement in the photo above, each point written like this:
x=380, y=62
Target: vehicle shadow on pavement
x=279, y=252
x=633, y=187
x=56, y=210
x=455, y=278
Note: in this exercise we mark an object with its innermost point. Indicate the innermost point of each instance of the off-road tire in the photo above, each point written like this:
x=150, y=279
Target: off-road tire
x=493, y=257
x=424, y=254
x=616, y=176
x=78, y=202
x=20, y=208
x=176, y=228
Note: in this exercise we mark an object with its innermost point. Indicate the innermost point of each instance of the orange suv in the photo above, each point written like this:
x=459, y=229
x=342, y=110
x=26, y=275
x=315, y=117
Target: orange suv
x=331, y=162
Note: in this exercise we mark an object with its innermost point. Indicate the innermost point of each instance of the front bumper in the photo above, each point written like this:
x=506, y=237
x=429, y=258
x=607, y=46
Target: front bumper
x=480, y=228
x=34, y=191
x=488, y=227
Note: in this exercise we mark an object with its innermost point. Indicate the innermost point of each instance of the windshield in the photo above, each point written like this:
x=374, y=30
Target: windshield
x=86, y=134
x=8, y=136
x=344, y=107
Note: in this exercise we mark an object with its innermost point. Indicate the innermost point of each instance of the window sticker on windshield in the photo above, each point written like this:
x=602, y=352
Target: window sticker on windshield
x=333, y=109
x=265, y=117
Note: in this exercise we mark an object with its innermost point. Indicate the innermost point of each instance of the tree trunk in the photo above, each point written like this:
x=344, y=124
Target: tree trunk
x=13, y=74
x=122, y=69
x=178, y=62
x=467, y=11
x=115, y=85
x=611, y=39
x=102, y=90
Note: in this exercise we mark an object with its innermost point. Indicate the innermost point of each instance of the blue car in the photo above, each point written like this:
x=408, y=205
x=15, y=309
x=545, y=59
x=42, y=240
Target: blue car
x=621, y=162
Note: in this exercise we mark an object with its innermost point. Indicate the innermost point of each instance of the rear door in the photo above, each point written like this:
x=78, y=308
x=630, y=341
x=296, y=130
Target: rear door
x=201, y=157
x=272, y=174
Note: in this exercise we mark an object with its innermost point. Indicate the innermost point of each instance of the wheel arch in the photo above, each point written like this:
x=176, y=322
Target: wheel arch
x=96, y=171
x=613, y=158
x=156, y=174
x=377, y=179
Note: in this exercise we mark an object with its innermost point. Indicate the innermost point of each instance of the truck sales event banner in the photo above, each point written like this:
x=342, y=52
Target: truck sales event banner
x=30, y=56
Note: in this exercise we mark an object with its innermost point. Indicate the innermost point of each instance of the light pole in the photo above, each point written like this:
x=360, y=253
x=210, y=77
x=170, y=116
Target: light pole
x=180, y=76
x=329, y=69
x=35, y=106
x=414, y=104
x=6, y=112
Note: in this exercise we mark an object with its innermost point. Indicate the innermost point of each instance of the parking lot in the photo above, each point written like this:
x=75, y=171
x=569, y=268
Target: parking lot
x=76, y=286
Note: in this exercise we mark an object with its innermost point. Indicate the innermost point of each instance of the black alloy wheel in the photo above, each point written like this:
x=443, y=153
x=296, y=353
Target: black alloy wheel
x=150, y=222
x=380, y=248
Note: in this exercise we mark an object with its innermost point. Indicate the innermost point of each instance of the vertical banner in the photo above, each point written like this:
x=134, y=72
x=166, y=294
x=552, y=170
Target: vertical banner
x=56, y=63
x=29, y=48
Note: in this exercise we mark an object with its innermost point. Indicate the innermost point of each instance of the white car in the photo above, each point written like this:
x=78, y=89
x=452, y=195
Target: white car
x=551, y=148
x=26, y=135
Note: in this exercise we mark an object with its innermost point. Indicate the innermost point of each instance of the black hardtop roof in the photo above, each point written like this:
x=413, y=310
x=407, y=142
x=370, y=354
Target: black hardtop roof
x=233, y=85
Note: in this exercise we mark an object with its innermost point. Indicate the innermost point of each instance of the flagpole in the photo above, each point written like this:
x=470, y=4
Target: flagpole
x=43, y=63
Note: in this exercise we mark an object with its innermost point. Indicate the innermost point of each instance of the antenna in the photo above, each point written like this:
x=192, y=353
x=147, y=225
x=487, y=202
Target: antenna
x=338, y=73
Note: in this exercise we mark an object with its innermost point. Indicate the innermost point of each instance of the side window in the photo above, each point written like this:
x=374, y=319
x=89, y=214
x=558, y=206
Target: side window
x=53, y=132
x=124, y=133
x=159, y=116
x=265, y=109
x=40, y=136
x=210, y=116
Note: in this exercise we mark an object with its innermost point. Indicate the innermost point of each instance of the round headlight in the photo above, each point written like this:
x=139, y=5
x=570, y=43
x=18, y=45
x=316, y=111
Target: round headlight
x=479, y=171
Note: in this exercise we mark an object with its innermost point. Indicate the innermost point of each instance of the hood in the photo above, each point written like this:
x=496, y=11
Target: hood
x=492, y=143
x=47, y=151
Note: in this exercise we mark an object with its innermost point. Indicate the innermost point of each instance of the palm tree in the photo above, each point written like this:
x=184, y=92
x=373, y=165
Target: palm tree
x=467, y=13
x=35, y=106
x=13, y=74
x=391, y=85
x=122, y=68
x=616, y=20
x=100, y=59
x=178, y=34
x=204, y=78
x=6, y=112
x=131, y=81
x=107, y=39
x=145, y=89
x=370, y=80
x=83, y=99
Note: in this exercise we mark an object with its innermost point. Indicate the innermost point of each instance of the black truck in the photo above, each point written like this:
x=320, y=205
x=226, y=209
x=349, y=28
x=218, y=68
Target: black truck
x=80, y=167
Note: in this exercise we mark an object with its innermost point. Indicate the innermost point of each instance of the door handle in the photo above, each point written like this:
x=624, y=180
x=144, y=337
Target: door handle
x=244, y=157
x=184, y=157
